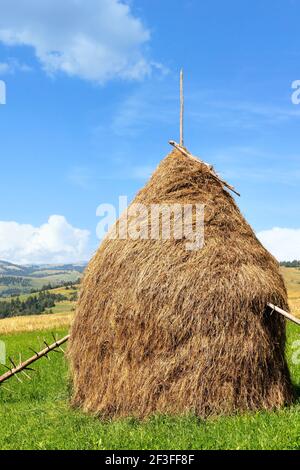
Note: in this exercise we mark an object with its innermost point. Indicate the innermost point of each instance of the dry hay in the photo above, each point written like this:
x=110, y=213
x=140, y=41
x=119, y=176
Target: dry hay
x=160, y=329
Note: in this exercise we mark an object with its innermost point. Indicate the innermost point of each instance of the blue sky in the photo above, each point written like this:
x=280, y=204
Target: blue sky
x=92, y=100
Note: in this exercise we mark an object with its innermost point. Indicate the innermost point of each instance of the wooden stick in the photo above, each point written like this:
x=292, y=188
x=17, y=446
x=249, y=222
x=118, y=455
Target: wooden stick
x=287, y=315
x=186, y=152
x=181, y=107
x=210, y=167
x=38, y=355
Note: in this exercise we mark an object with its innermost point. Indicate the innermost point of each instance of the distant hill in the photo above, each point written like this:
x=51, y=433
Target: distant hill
x=20, y=279
x=7, y=268
x=11, y=269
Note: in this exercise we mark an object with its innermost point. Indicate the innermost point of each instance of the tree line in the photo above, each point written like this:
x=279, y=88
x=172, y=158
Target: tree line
x=291, y=264
x=33, y=305
x=14, y=281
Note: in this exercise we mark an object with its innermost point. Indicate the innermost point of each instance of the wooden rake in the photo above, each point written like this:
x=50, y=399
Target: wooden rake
x=24, y=367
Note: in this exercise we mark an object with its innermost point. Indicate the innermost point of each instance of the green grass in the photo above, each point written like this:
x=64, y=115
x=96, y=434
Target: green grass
x=62, y=307
x=37, y=415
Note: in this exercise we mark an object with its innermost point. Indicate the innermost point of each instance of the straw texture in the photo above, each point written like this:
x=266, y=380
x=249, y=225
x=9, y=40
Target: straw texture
x=160, y=329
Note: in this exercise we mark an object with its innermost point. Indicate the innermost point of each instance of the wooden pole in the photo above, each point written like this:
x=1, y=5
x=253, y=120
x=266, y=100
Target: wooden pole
x=38, y=355
x=181, y=107
x=287, y=315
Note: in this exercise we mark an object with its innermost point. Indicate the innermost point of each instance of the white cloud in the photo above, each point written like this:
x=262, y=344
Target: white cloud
x=53, y=242
x=95, y=40
x=13, y=65
x=234, y=113
x=4, y=68
x=283, y=243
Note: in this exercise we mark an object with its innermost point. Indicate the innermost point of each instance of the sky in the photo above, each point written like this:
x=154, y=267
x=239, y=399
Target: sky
x=92, y=99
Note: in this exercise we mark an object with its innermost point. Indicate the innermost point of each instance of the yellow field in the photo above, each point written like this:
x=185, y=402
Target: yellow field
x=35, y=323
x=292, y=280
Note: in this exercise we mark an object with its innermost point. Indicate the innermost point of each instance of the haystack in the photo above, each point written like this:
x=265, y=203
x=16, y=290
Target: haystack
x=163, y=329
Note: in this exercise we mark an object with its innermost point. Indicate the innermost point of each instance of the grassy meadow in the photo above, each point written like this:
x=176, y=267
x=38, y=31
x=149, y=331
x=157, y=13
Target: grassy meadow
x=36, y=414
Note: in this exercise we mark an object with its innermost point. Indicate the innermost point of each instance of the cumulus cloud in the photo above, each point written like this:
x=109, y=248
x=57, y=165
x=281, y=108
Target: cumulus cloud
x=12, y=66
x=283, y=243
x=94, y=40
x=53, y=242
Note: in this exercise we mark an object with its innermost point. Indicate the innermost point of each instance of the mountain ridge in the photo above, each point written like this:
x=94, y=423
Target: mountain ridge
x=16, y=279
x=8, y=268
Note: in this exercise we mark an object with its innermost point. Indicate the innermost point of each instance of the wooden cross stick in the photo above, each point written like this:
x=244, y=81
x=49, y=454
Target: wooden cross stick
x=210, y=167
x=287, y=315
x=24, y=366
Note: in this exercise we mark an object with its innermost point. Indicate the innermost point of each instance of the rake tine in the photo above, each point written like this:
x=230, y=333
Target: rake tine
x=26, y=375
x=6, y=367
x=18, y=378
x=58, y=347
x=29, y=368
x=46, y=344
x=11, y=360
x=54, y=337
x=55, y=350
x=33, y=350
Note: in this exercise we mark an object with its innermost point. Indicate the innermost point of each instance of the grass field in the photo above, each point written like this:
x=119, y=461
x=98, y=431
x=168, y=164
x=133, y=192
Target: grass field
x=36, y=415
x=67, y=292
